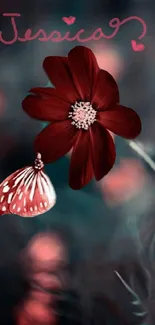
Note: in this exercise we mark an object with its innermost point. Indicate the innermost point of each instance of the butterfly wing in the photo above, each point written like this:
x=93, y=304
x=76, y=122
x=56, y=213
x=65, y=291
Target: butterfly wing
x=35, y=195
x=8, y=189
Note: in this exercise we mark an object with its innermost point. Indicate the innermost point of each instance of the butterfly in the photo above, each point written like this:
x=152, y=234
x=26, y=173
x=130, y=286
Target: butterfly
x=27, y=192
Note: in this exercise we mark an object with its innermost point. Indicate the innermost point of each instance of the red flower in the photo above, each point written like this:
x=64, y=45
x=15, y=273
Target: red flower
x=82, y=107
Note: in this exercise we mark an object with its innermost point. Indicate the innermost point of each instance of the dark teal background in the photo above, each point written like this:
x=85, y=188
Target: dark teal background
x=100, y=238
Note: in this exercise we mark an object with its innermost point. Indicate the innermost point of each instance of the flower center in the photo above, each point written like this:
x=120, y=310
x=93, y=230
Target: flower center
x=83, y=115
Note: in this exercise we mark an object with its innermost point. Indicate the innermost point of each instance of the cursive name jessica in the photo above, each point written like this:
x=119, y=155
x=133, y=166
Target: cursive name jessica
x=56, y=36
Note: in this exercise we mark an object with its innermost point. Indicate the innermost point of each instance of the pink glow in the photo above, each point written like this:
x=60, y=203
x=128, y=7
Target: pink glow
x=124, y=182
x=37, y=313
x=55, y=36
x=109, y=59
x=45, y=254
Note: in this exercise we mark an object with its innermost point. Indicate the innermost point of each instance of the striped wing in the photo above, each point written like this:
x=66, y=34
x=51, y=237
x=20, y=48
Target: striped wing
x=7, y=191
x=30, y=193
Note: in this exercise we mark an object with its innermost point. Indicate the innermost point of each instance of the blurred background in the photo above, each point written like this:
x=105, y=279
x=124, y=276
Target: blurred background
x=105, y=227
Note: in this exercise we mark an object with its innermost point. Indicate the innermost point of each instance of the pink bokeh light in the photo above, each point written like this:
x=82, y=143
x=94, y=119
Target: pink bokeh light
x=109, y=59
x=123, y=182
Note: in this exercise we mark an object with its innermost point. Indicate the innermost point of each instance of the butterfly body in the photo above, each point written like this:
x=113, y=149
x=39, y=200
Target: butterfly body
x=27, y=192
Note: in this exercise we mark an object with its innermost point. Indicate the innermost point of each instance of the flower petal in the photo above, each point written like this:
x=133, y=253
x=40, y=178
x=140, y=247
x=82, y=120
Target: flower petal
x=59, y=73
x=46, y=104
x=103, y=150
x=55, y=140
x=81, y=171
x=122, y=121
x=106, y=92
x=85, y=69
x=46, y=92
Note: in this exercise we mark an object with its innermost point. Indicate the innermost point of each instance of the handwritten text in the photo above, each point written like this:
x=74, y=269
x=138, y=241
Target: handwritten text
x=56, y=36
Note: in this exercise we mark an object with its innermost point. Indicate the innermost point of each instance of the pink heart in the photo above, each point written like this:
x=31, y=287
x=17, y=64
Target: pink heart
x=137, y=47
x=69, y=20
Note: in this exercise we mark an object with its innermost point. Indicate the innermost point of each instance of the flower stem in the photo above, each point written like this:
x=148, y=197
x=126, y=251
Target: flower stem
x=142, y=153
